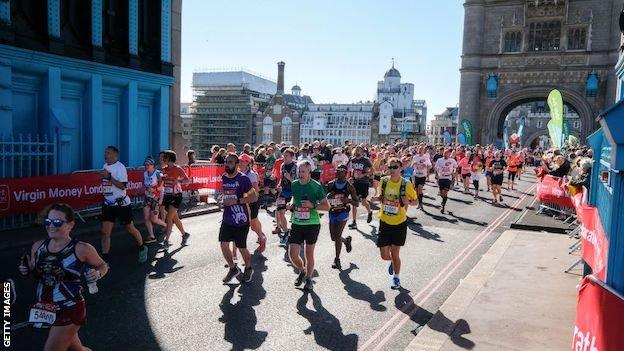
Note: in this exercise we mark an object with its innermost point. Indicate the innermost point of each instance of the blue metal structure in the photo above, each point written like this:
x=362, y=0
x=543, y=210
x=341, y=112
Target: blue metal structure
x=607, y=188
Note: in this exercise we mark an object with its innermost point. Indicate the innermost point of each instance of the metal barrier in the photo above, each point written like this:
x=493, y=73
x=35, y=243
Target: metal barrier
x=26, y=156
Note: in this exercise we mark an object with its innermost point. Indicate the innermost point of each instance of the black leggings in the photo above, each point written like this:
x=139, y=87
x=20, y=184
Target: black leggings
x=511, y=176
x=475, y=183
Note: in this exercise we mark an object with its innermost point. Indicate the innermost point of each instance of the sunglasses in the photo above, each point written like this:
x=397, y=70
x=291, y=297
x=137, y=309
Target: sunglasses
x=57, y=223
x=393, y=167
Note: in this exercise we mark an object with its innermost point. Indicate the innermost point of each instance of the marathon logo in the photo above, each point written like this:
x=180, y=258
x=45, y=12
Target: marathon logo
x=59, y=193
x=583, y=341
x=206, y=180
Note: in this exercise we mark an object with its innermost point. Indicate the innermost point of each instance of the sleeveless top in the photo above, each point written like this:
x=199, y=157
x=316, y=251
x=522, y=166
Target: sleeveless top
x=151, y=184
x=59, y=275
x=335, y=197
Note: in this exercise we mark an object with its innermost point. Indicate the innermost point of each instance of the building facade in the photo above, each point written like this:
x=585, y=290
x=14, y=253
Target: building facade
x=517, y=51
x=83, y=75
x=399, y=114
x=225, y=107
x=187, y=125
x=280, y=121
x=443, y=127
x=337, y=123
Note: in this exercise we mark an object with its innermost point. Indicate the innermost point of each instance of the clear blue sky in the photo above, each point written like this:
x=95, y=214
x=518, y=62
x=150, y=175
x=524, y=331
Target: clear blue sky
x=335, y=50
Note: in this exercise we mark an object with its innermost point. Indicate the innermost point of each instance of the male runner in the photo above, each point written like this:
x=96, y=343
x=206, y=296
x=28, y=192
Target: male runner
x=340, y=193
x=117, y=204
x=396, y=194
x=237, y=193
x=288, y=173
x=308, y=197
x=361, y=170
x=497, y=165
x=445, y=171
x=421, y=164
x=173, y=175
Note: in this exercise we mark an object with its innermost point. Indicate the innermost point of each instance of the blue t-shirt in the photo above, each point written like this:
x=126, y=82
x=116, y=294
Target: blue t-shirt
x=408, y=172
x=234, y=188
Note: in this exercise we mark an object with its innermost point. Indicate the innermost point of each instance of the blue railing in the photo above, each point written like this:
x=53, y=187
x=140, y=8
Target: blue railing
x=25, y=156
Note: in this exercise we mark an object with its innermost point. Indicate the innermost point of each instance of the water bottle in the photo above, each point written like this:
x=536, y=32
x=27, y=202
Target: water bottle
x=92, y=286
x=25, y=259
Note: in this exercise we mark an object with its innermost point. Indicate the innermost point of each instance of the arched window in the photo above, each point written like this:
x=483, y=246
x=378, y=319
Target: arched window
x=577, y=39
x=267, y=129
x=286, y=130
x=513, y=42
x=544, y=36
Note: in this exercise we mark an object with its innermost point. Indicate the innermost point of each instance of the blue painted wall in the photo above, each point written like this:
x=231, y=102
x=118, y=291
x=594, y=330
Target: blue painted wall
x=87, y=105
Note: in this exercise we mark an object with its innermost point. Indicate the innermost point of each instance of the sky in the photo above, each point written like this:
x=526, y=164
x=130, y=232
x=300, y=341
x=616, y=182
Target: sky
x=336, y=51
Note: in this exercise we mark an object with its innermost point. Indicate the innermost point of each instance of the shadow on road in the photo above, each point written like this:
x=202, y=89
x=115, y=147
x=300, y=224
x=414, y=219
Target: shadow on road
x=438, y=322
x=424, y=233
x=372, y=236
x=239, y=318
x=468, y=220
x=324, y=325
x=361, y=291
x=165, y=265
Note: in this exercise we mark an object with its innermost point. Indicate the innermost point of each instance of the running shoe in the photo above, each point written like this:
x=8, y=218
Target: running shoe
x=347, y=243
x=283, y=240
x=165, y=244
x=247, y=274
x=276, y=231
x=336, y=264
x=308, y=285
x=233, y=272
x=143, y=255
x=353, y=225
x=300, y=279
x=370, y=217
x=442, y=210
x=390, y=269
x=396, y=283
x=262, y=243
x=185, y=237
x=149, y=240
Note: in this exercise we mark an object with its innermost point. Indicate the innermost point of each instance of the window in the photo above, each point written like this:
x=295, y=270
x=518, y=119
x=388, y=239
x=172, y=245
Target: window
x=576, y=124
x=539, y=124
x=267, y=129
x=513, y=42
x=286, y=130
x=577, y=39
x=544, y=36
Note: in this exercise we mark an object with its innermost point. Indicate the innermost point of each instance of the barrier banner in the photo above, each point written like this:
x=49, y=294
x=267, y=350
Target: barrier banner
x=204, y=177
x=595, y=245
x=551, y=190
x=599, y=318
x=79, y=190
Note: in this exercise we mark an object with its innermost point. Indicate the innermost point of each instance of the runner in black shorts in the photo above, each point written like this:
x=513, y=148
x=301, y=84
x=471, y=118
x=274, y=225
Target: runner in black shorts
x=445, y=172
x=497, y=165
x=340, y=194
x=173, y=175
x=361, y=168
x=421, y=164
x=245, y=167
x=288, y=174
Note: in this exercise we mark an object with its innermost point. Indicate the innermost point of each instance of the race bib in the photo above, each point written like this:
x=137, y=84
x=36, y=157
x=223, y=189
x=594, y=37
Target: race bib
x=498, y=172
x=302, y=213
x=107, y=190
x=281, y=201
x=391, y=207
x=357, y=174
x=336, y=202
x=446, y=171
x=42, y=314
x=168, y=190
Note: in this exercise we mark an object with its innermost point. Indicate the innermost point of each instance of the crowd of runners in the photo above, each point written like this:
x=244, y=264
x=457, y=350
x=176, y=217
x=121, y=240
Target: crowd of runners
x=290, y=183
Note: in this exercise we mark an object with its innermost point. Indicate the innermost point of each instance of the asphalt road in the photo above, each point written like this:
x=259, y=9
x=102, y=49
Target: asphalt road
x=178, y=302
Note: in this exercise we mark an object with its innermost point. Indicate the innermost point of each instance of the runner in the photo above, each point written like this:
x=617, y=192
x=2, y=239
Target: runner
x=245, y=166
x=476, y=168
x=288, y=173
x=152, y=184
x=237, y=193
x=117, y=204
x=422, y=165
x=361, y=168
x=465, y=170
x=340, y=193
x=488, y=170
x=58, y=263
x=396, y=194
x=497, y=165
x=513, y=162
x=269, y=179
x=379, y=168
x=308, y=197
x=173, y=175
x=445, y=170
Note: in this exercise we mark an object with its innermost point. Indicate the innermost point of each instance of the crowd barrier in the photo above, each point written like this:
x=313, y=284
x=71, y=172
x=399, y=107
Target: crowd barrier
x=553, y=195
x=83, y=189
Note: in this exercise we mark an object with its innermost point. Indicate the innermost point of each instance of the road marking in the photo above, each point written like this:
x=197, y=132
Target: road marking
x=462, y=255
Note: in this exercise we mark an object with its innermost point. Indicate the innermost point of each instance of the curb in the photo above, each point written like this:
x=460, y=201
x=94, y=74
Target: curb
x=454, y=307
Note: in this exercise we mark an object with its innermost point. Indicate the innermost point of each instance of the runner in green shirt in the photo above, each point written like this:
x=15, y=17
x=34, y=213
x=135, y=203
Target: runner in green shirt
x=308, y=197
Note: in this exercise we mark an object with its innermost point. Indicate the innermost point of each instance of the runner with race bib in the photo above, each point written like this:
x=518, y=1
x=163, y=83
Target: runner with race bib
x=445, y=170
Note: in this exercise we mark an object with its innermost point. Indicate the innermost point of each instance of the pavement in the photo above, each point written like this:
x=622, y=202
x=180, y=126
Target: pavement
x=516, y=298
x=176, y=301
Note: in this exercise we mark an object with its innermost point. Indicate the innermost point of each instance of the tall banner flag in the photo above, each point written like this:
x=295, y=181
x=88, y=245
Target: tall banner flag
x=521, y=126
x=566, y=131
x=447, y=136
x=555, y=125
x=505, y=138
x=467, y=130
x=461, y=138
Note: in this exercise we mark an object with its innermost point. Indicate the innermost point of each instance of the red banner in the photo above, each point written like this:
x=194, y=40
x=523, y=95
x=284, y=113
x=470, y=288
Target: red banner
x=81, y=190
x=595, y=245
x=599, y=318
x=552, y=190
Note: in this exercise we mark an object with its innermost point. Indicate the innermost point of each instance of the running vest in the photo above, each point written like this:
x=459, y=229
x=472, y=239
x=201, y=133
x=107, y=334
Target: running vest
x=335, y=196
x=151, y=184
x=384, y=183
x=59, y=275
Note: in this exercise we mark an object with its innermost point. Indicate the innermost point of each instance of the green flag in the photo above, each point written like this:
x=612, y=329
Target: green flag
x=555, y=125
x=467, y=130
x=555, y=132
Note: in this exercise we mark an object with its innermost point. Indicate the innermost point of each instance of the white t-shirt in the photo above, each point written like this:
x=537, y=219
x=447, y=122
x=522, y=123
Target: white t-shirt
x=111, y=192
x=420, y=165
x=445, y=168
x=253, y=176
x=339, y=159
